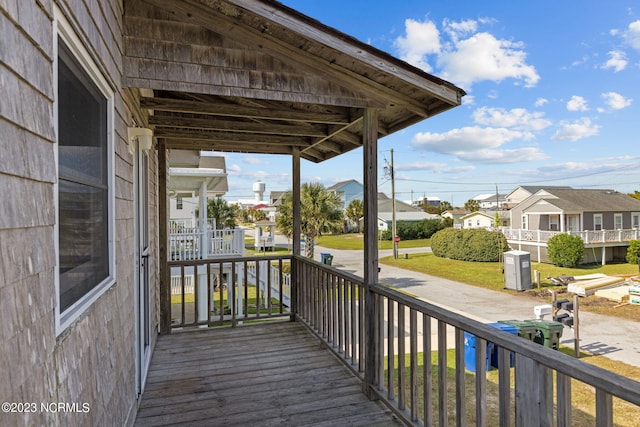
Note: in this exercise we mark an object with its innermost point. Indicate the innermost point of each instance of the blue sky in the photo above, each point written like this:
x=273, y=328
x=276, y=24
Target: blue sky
x=553, y=97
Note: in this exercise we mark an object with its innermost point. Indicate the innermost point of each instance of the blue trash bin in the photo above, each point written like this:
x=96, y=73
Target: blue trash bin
x=470, y=353
x=513, y=330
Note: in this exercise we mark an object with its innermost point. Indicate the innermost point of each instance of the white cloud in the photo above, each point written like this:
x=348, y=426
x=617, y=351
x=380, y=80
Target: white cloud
x=252, y=160
x=455, y=30
x=526, y=154
x=492, y=59
x=234, y=168
x=632, y=35
x=574, y=131
x=468, y=100
x=615, y=101
x=434, y=167
x=540, y=102
x=577, y=103
x=517, y=118
x=617, y=60
x=422, y=39
x=471, y=138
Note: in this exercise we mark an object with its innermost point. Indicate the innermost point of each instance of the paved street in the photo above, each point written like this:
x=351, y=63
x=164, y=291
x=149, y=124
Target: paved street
x=616, y=338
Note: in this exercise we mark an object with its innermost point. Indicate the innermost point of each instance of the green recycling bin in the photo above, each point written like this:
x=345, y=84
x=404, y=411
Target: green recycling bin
x=326, y=258
x=526, y=328
x=548, y=333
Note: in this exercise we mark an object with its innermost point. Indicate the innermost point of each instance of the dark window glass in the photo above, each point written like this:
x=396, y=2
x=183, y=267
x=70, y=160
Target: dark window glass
x=83, y=193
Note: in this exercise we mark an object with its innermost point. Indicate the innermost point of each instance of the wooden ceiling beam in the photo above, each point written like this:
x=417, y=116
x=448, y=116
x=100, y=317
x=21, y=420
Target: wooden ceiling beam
x=226, y=110
x=245, y=138
x=215, y=124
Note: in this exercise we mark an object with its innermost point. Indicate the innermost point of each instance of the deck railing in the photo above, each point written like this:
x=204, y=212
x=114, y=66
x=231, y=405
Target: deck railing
x=192, y=243
x=229, y=290
x=419, y=354
x=588, y=237
x=417, y=351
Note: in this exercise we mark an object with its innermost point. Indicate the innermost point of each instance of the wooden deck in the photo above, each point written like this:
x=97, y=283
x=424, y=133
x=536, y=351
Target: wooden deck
x=274, y=374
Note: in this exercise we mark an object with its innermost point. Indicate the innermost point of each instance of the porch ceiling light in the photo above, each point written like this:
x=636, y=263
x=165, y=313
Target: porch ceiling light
x=143, y=135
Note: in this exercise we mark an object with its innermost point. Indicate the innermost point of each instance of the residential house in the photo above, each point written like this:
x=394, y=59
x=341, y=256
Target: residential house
x=521, y=192
x=490, y=201
x=605, y=220
x=95, y=93
x=347, y=191
x=455, y=215
x=386, y=205
x=193, y=179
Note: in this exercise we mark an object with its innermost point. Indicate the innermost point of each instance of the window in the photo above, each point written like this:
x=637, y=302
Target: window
x=84, y=216
x=597, y=222
x=524, y=222
x=179, y=203
x=617, y=221
x=553, y=222
x=635, y=220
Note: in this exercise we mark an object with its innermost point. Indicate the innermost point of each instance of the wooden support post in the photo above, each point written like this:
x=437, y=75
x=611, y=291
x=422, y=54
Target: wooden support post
x=295, y=271
x=165, y=279
x=370, y=177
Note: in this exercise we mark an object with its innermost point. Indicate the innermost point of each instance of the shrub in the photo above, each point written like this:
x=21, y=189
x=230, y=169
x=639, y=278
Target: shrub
x=565, y=250
x=633, y=251
x=415, y=230
x=474, y=244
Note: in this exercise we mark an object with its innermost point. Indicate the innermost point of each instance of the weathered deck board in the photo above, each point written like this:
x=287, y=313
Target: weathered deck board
x=274, y=374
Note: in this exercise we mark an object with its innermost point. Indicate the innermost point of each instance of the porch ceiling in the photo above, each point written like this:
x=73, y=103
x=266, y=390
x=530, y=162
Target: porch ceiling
x=256, y=76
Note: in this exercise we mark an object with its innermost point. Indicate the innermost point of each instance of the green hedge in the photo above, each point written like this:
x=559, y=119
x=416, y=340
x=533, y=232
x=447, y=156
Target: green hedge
x=565, y=250
x=633, y=251
x=416, y=230
x=475, y=244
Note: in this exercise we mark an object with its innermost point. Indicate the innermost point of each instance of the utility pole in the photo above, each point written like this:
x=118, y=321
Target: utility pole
x=393, y=209
x=388, y=170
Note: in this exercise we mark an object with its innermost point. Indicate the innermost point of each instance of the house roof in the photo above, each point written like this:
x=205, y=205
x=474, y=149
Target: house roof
x=592, y=200
x=341, y=184
x=406, y=216
x=256, y=76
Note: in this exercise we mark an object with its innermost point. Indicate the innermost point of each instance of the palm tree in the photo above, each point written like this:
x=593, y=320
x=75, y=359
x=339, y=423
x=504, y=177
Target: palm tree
x=320, y=213
x=472, y=205
x=355, y=211
x=219, y=209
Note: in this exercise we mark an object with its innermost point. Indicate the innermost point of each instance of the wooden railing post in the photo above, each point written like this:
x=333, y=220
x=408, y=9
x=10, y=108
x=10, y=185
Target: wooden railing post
x=370, y=178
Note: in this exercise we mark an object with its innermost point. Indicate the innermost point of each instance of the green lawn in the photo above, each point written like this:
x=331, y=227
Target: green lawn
x=625, y=414
x=356, y=242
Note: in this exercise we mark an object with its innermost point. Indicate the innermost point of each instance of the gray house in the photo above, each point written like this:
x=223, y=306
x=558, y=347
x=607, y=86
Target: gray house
x=605, y=220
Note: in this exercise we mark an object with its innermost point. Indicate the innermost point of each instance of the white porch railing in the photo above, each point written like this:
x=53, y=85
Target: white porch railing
x=187, y=243
x=588, y=237
x=270, y=282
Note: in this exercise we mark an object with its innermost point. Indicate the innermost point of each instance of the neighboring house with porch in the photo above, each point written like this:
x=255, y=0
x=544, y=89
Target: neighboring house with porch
x=190, y=174
x=485, y=218
x=347, y=191
x=455, y=215
x=606, y=220
x=95, y=94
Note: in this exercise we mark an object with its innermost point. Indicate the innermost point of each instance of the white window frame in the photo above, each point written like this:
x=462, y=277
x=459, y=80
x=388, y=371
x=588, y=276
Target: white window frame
x=64, y=31
x=554, y=223
x=635, y=219
x=597, y=220
x=525, y=225
x=618, y=221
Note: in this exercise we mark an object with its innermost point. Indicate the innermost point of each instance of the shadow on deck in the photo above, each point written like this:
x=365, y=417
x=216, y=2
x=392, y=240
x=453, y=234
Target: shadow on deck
x=274, y=374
